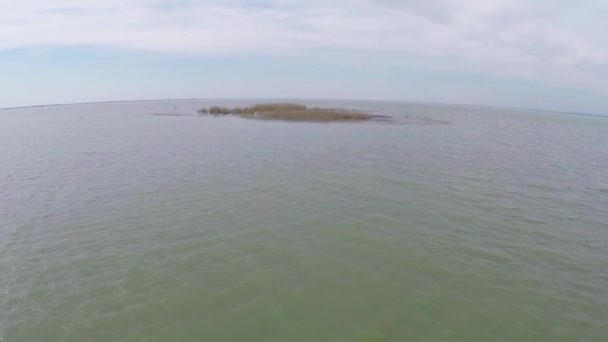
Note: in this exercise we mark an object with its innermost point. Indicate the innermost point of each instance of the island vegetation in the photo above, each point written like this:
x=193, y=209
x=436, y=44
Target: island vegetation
x=290, y=112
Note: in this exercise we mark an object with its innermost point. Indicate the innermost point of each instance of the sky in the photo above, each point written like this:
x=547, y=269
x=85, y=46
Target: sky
x=544, y=54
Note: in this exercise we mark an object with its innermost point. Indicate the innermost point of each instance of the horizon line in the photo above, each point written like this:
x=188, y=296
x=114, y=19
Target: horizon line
x=309, y=99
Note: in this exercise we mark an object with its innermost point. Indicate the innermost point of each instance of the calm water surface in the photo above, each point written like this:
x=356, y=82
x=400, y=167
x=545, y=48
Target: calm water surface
x=117, y=225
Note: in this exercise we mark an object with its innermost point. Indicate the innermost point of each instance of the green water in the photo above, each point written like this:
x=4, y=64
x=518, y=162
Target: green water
x=116, y=225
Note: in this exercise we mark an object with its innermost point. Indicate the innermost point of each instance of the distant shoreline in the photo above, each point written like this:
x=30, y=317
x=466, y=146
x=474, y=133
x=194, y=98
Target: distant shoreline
x=94, y=102
x=601, y=116
x=291, y=112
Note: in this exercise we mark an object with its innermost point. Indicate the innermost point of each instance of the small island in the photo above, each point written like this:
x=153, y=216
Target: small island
x=291, y=112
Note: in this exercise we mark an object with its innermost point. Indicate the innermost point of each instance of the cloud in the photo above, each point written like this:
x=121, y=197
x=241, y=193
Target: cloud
x=557, y=42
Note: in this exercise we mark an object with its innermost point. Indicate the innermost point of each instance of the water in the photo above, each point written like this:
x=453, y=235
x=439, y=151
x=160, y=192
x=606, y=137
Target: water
x=116, y=225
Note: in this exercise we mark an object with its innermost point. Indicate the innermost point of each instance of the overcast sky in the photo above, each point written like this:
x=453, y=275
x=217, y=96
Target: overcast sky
x=548, y=54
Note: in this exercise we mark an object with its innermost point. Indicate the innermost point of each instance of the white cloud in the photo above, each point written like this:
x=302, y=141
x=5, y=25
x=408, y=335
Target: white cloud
x=557, y=42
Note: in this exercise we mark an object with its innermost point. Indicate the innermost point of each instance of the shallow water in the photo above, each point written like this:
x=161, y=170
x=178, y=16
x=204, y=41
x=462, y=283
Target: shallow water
x=117, y=225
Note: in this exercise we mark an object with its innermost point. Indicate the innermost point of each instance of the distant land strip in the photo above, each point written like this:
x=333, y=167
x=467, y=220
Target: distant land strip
x=601, y=116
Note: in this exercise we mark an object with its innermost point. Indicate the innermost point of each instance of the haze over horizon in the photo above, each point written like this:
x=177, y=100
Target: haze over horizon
x=550, y=55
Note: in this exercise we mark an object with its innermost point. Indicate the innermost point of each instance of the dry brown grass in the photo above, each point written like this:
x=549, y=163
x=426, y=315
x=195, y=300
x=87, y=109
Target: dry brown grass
x=289, y=112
